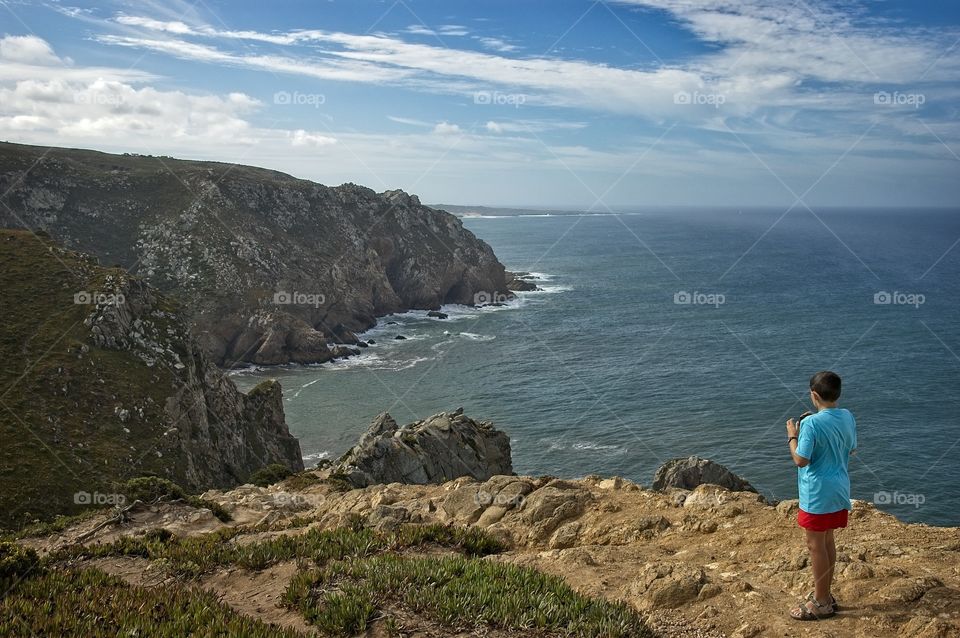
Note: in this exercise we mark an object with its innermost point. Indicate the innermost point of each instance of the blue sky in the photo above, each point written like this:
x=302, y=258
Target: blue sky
x=565, y=103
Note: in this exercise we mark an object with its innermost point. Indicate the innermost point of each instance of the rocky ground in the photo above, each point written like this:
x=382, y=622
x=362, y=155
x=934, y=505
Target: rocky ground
x=701, y=562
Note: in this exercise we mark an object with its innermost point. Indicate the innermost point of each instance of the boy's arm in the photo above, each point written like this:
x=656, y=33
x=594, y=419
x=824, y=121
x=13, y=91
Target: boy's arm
x=793, y=432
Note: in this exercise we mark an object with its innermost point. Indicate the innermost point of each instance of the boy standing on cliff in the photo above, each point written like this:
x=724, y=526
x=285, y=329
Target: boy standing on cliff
x=821, y=445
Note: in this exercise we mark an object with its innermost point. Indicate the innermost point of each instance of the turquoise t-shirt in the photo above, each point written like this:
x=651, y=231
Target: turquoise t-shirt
x=826, y=438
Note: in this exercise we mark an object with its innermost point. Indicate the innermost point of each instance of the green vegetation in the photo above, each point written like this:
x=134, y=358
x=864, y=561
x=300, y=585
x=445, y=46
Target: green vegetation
x=343, y=596
x=301, y=481
x=61, y=432
x=270, y=474
x=58, y=524
x=16, y=563
x=349, y=578
x=152, y=488
x=198, y=554
x=89, y=603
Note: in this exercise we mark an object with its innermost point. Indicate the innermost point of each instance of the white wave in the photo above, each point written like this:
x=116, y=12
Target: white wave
x=310, y=460
x=250, y=369
x=586, y=446
x=546, y=290
x=538, y=276
x=374, y=361
x=599, y=447
x=475, y=337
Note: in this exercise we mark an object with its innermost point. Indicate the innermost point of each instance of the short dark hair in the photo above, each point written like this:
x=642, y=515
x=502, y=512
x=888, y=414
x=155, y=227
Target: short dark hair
x=826, y=384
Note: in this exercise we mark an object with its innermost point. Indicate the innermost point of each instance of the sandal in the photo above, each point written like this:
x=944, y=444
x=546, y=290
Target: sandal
x=833, y=601
x=817, y=612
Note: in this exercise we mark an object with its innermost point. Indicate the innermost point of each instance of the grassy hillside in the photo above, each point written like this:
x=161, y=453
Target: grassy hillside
x=60, y=397
x=101, y=382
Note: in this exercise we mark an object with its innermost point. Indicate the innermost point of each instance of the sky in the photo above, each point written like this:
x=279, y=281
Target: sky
x=594, y=105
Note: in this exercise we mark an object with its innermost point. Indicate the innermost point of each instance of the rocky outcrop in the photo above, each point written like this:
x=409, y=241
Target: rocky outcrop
x=271, y=269
x=114, y=385
x=692, y=471
x=434, y=450
x=521, y=281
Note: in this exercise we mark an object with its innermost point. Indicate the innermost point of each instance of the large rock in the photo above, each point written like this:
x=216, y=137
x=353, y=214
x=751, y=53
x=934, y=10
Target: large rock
x=438, y=449
x=690, y=472
x=272, y=269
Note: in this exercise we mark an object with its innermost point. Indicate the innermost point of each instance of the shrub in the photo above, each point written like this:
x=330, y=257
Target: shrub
x=151, y=488
x=270, y=474
x=16, y=563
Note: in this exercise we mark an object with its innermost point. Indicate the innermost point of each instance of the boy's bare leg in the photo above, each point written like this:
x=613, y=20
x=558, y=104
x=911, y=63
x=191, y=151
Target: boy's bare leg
x=820, y=561
x=832, y=556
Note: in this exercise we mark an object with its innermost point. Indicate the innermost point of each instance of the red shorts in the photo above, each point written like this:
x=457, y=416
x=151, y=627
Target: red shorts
x=822, y=522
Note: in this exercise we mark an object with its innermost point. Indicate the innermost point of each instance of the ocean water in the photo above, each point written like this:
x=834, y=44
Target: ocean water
x=609, y=371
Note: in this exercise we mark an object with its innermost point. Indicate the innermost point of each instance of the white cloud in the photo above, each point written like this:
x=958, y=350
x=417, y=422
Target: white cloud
x=453, y=29
x=409, y=121
x=303, y=138
x=419, y=29
x=444, y=29
x=27, y=49
x=445, y=128
x=529, y=126
x=498, y=44
x=766, y=55
x=177, y=27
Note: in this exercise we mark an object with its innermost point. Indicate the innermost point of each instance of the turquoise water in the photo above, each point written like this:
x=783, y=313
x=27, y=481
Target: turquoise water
x=605, y=373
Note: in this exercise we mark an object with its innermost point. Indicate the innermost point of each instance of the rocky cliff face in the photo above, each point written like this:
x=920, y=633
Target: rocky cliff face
x=104, y=381
x=271, y=269
x=434, y=450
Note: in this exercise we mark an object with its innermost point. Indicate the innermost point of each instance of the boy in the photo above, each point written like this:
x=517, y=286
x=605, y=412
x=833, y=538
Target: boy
x=821, y=449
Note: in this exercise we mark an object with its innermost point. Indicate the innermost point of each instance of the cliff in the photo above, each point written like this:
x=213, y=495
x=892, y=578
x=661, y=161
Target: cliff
x=270, y=269
x=102, y=381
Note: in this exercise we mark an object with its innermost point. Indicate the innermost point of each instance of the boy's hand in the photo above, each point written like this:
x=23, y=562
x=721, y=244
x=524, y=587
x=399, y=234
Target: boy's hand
x=793, y=427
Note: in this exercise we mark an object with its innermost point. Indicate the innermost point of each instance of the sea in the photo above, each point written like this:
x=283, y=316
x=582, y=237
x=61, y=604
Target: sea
x=660, y=334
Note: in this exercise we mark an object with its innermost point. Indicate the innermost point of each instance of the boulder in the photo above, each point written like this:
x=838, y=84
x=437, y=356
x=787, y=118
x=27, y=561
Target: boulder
x=435, y=450
x=552, y=505
x=436, y=314
x=667, y=586
x=690, y=472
